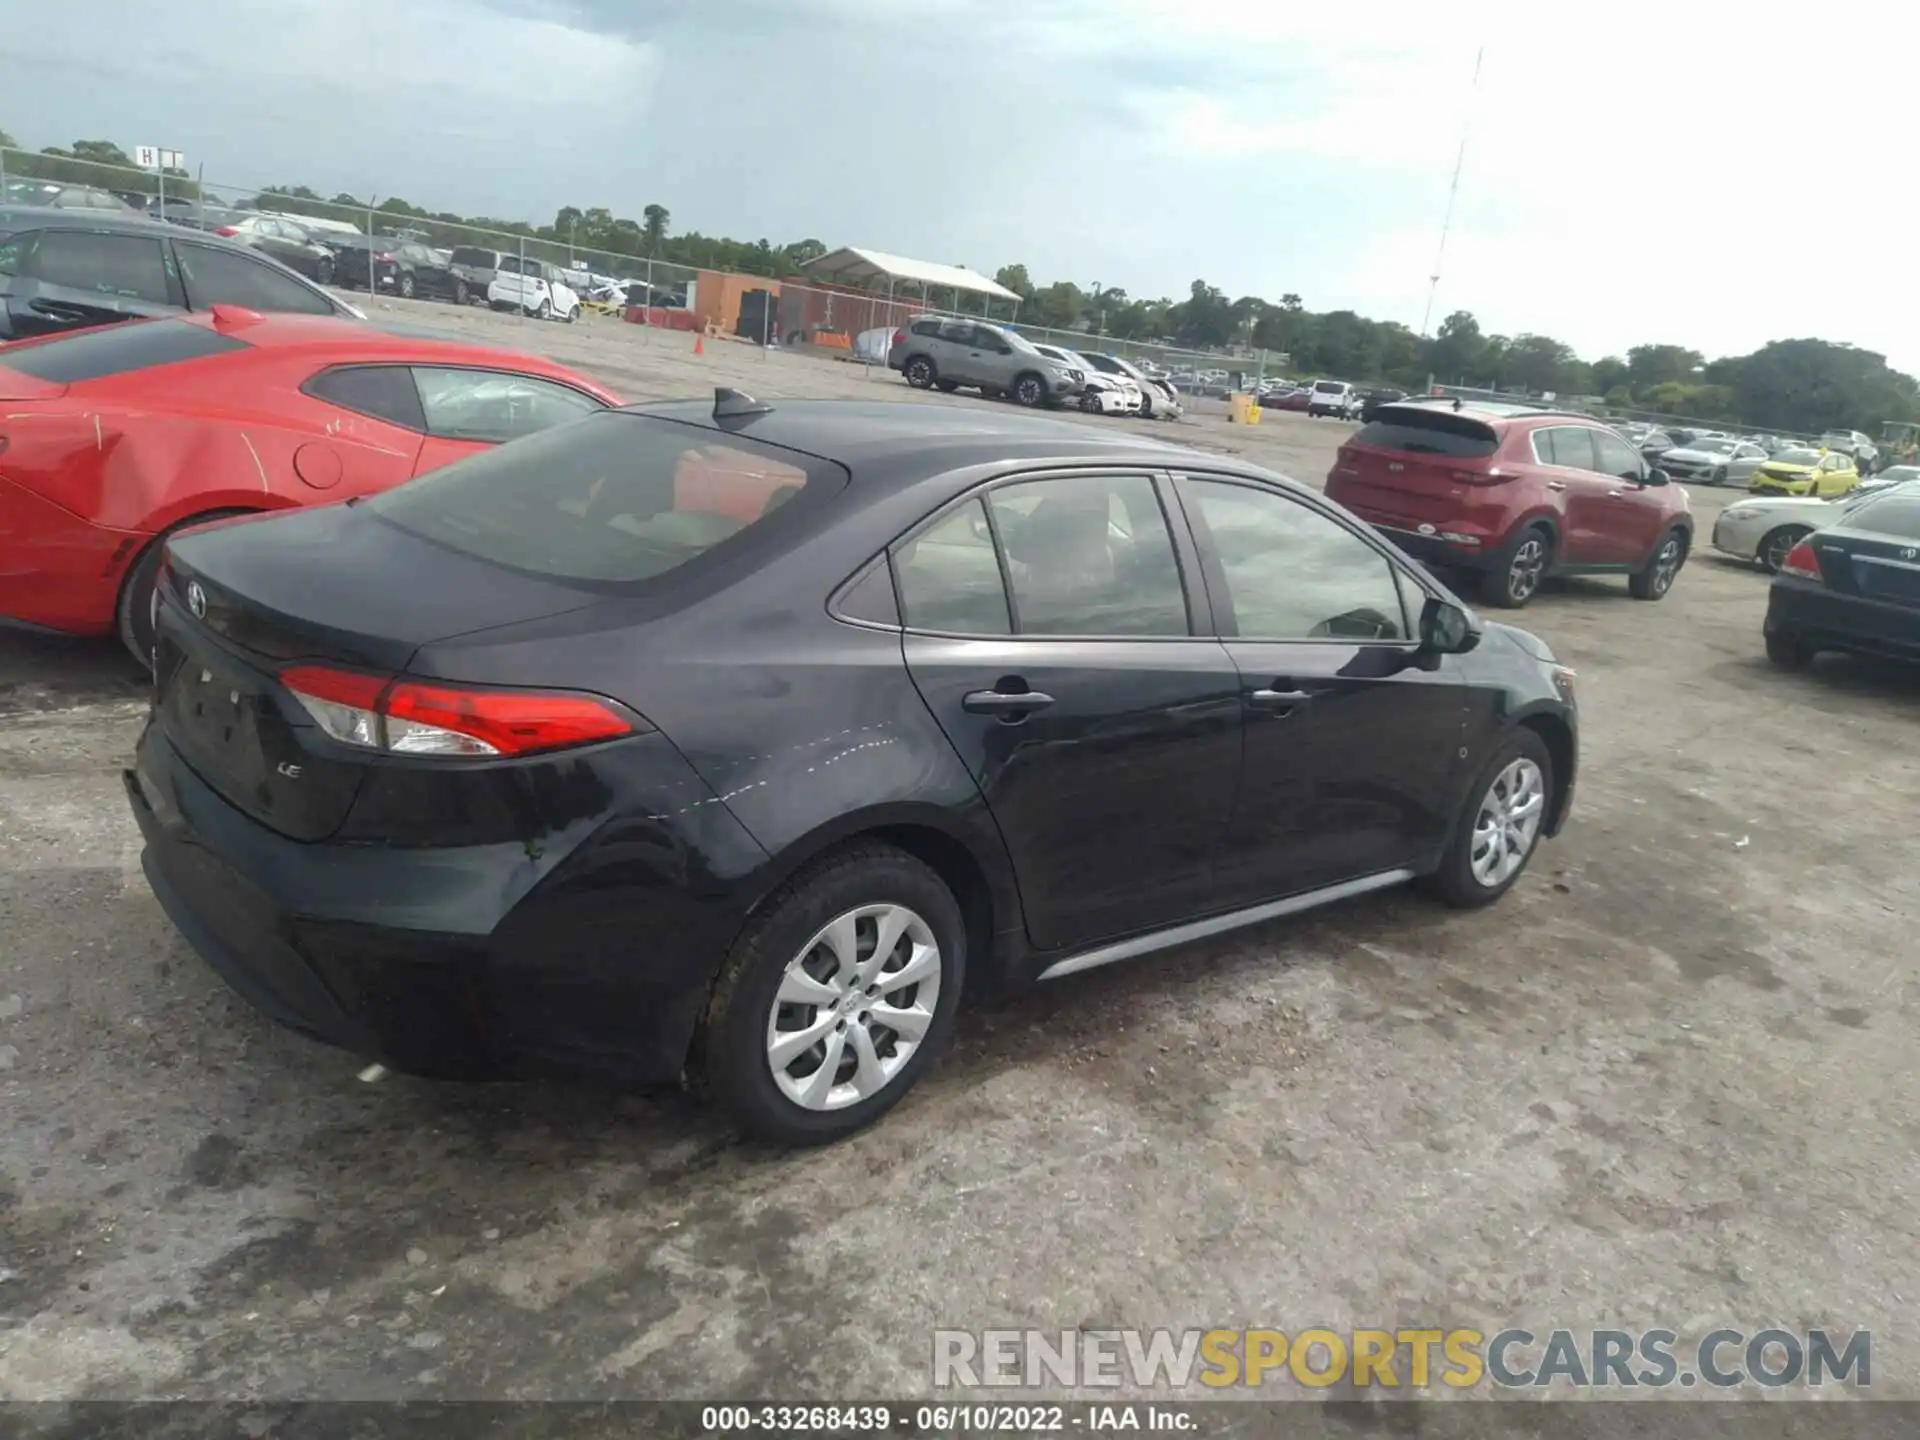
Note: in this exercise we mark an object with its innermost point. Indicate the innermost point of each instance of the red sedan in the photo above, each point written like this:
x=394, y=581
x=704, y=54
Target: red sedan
x=113, y=438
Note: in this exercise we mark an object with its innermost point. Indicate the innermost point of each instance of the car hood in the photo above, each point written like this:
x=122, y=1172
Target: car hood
x=1525, y=641
x=1683, y=452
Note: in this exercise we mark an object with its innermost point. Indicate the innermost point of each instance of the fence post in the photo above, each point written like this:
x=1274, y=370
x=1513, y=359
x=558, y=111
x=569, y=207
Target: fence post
x=3, y=171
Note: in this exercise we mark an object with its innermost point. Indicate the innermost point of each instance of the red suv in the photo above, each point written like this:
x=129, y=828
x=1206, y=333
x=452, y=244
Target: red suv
x=1515, y=494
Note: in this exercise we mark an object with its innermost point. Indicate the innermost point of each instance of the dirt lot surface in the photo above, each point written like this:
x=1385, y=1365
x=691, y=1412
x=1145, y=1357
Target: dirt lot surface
x=1668, y=1082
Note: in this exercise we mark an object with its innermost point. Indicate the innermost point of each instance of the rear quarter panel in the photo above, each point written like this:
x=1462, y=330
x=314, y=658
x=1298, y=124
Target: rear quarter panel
x=808, y=729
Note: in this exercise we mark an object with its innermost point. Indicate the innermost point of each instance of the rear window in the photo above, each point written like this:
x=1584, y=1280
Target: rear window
x=467, y=255
x=1421, y=432
x=1894, y=515
x=613, y=499
x=1328, y=387
x=117, y=350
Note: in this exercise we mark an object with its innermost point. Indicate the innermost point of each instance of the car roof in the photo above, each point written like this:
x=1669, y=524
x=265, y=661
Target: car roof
x=331, y=337
x=1491, y=411
x=906, y=440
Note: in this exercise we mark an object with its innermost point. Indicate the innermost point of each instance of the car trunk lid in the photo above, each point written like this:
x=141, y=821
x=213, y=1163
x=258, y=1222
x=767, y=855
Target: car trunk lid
x=247, y=599
x=1413, y=464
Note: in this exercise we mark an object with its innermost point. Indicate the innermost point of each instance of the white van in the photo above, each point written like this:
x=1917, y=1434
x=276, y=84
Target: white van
x=1332, y=397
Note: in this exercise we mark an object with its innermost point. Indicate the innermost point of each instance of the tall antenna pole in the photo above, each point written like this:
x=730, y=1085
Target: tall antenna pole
x=1453, y=192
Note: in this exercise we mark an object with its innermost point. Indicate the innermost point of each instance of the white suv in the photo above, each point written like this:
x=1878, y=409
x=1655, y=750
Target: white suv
x=1332, y=397
x=537, y=290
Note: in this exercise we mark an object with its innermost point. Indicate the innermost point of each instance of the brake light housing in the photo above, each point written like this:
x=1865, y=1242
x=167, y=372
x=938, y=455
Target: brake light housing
x=1802, y=562
x=430, y=719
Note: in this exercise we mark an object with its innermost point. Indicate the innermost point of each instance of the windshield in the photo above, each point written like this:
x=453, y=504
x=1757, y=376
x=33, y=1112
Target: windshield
x=1896, y=473
x=1018, y=341
x=1797, y=457
x=1714, y=447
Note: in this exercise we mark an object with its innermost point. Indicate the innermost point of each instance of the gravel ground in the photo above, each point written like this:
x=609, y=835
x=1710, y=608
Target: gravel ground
x=1669, y=1081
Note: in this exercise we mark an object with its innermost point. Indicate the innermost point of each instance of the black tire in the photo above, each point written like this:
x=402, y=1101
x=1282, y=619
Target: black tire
x=946, y=387
x=406, y=287
x=543, y=309
x=132, y=612
x=323, y=270
x=1454, y=882
x=1029, y=390
x=1090, y=403
x=460, y=293
x=1775, y=544
x=731, y=1056
x=1788, y=651
x=1146, y=406
x=1719, y=476
x=1654, y=579
x=920, y=372
x=1515, y=575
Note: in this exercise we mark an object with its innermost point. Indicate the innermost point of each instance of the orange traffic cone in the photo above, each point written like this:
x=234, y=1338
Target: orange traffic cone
x=699, y=344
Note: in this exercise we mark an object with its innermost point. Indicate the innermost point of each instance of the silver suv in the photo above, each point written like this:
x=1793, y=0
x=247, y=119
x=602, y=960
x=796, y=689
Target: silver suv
x=946, y=353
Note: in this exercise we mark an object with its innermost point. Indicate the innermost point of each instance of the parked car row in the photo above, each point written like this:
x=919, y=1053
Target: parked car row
x=947, y=353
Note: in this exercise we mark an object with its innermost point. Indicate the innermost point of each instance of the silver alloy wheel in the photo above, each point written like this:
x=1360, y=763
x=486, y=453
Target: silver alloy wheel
x=1028, y=391
x=853, y=1007
x=1773, y=552
x=1666, y=564
x=1508, y=823
x=1529, y=563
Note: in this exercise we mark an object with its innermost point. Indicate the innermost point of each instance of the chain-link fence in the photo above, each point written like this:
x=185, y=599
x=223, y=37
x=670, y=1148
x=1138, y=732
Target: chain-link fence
x=627, y=275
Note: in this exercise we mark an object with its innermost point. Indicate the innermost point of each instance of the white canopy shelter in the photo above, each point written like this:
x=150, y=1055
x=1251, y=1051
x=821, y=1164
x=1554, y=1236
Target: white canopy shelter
x=873, y=269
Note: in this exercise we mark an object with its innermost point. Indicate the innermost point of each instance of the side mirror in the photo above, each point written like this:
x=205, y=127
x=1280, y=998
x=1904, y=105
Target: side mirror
x=1447, y=628
x=1656, y=476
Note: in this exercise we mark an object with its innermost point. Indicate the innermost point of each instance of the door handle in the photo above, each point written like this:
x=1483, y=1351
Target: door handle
x=1616, y=494
x=1281, y=700
x=1008, y=705
x=1556, y=484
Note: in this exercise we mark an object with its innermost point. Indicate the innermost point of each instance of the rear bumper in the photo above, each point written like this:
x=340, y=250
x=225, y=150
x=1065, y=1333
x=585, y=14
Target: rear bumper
x=1822, y=620
x=425, y=959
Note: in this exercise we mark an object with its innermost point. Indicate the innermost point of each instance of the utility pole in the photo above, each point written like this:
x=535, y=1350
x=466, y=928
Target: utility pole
x=1453, y=192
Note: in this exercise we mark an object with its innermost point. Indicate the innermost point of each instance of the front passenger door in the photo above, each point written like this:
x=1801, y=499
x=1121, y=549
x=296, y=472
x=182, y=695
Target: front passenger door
x=1048, y=630
x=1351, y=735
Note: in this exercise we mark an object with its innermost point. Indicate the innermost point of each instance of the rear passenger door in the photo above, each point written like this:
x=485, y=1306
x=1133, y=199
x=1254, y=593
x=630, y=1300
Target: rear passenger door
x=1047, y=627
x=58, y=280
x=957, y=354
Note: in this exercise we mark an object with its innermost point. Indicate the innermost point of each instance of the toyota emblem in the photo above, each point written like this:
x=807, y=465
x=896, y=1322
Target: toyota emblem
x=197, y=600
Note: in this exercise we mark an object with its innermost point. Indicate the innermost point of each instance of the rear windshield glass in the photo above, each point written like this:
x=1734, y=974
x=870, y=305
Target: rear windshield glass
x=1419, y=432
x=612, y=499
x=466, y=255
x=1328, y=387
x=1895, y=515
x=116, y=350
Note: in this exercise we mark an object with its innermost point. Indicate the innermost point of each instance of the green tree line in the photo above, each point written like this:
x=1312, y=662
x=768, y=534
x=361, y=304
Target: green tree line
x=1798, y=385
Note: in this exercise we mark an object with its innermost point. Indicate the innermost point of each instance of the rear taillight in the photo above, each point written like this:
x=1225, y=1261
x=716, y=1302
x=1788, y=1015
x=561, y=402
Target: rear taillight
x=1803, y=562
x=415, y=717
x=900, y=337
x=225, y=230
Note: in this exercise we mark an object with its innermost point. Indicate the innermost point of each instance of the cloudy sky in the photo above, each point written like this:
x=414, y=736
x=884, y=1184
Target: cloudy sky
x=1674, y=176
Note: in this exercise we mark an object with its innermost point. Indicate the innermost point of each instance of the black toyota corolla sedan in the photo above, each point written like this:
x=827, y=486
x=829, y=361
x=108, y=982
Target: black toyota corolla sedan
x=744, y=742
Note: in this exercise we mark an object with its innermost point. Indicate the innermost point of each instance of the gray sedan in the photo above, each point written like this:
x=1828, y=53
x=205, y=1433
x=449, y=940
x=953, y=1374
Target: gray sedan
x=1714, y=461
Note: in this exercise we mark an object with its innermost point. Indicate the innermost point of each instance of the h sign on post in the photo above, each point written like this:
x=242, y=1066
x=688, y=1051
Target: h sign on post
x=152, y=157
